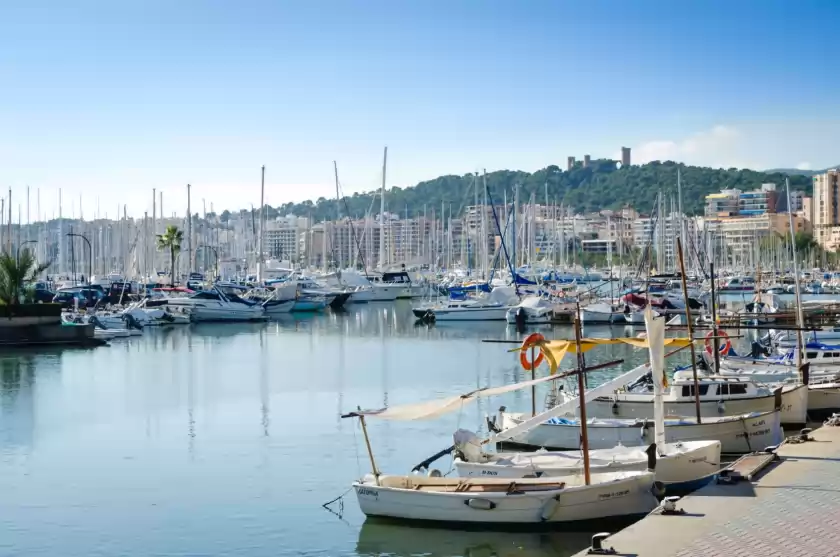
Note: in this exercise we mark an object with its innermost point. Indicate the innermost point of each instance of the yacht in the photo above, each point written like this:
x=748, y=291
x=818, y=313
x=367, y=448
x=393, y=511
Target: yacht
x=217, y=304
x=492, y=307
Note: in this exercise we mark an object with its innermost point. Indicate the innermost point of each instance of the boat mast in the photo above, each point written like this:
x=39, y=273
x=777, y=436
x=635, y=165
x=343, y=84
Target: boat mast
x=189, y=234
x=262, y=225
x=800, y=321
x=584, y=435
x=382, y=213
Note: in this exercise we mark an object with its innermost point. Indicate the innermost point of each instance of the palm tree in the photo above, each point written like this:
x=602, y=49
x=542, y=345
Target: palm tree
x=15, y=273
x=171, y=240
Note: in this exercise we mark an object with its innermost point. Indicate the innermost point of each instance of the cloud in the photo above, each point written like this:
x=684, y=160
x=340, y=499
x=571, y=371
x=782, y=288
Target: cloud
x=716, y=147
x=803, y=166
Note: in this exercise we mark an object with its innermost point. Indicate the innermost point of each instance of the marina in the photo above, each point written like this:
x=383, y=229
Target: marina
x=170, y=416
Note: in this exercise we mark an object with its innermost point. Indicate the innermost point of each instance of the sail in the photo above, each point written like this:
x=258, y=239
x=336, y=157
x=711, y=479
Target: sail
x=555, y=350
x=656, y=335
x=569, y=406
x=436, y=408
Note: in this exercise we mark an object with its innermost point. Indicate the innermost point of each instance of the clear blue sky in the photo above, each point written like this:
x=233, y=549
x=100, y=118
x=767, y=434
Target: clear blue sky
x=110, y=99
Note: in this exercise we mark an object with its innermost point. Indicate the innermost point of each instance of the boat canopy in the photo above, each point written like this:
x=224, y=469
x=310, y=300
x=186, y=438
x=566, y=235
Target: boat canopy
x=436, y=408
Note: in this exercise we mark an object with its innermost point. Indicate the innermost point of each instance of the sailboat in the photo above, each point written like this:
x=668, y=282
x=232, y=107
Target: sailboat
x=523, y=501
x=556, y=428
x=681, y=467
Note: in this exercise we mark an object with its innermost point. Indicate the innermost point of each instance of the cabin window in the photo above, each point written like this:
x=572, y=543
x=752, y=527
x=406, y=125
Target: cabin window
x=811, y=355
x=737, y=389
x=733, y=389
x=688, y=390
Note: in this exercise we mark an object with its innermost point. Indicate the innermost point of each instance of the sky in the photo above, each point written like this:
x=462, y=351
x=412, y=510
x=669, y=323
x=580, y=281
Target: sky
x=108, y=100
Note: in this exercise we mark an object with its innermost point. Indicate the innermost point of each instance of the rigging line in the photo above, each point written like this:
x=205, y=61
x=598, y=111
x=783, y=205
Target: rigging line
x=355, y=238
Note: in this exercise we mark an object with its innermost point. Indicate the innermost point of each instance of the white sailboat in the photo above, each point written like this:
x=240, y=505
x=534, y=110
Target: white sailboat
x=737, y=434
x=532, y=501
x=680, y=466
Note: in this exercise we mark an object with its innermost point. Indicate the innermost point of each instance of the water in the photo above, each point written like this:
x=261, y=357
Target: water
x=225, y=439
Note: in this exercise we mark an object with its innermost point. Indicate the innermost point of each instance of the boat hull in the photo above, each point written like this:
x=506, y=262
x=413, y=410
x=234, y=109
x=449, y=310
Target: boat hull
x=213, y=314
x=382, y=293
x=679, y=463
x=471, y=314
x=612, y=498
x=737, y=434
x=823, y=400
x=620, y=407
x=278, y=308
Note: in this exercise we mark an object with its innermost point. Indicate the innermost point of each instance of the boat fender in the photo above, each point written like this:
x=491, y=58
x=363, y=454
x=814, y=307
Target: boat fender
x=549, y=508
x=597, y=547
x=615, y=407
x=480, y=504
x=721, y=407
x=434, y=473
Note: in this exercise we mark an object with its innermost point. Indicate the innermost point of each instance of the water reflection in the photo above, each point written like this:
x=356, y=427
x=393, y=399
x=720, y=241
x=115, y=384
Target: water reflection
x=378, y=537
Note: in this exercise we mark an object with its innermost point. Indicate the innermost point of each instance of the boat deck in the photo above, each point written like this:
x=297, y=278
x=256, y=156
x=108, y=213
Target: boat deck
x=791, y=510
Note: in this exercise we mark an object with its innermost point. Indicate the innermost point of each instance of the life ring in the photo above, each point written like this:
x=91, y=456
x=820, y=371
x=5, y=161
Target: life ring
x=724, y=350
x=532, y=340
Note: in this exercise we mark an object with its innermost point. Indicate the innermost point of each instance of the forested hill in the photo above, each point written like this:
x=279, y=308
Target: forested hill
x=599, y=186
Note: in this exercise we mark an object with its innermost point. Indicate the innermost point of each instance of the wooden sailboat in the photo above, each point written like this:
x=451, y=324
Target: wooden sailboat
x=680, y=467
x=535, y=501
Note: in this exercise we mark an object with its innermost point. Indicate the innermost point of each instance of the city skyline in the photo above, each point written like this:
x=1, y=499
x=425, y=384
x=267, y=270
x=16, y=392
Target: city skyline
x=110, y=101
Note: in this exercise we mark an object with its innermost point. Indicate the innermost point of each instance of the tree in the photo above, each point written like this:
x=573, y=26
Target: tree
x=15, y=273
x=805, y=242
x=171, y=239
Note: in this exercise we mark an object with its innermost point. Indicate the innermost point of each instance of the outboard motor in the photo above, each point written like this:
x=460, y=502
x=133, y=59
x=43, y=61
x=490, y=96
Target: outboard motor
x=468, y=446
x=94, y=320
x=758, y=350
x=521, y=317
x=132, y=322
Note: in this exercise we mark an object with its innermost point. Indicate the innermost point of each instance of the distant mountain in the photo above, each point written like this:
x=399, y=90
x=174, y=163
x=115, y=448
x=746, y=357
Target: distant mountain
x=798, y=172
x=601, y=185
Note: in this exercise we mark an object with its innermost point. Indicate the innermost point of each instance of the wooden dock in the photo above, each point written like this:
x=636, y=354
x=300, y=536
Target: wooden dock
x=792, y=509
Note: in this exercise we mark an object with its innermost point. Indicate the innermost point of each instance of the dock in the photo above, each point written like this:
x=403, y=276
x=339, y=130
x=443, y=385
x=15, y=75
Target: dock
x=791, y=509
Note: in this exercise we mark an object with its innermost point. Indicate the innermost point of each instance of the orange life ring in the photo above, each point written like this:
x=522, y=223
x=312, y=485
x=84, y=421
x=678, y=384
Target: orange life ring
x=724, y=350
x=532, y=340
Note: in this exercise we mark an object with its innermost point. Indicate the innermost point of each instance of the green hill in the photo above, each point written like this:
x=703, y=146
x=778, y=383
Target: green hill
x=599, y=186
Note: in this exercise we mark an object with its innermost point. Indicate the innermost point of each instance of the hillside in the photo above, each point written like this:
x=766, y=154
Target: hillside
x=796, y=171
x=599, y=186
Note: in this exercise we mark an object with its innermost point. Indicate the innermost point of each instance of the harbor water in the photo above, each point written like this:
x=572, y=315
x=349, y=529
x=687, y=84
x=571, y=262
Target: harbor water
x=226, y=439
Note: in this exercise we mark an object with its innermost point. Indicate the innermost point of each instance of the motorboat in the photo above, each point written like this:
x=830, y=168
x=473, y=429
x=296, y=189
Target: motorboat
x=492, y=307
x=308, y=303
x=600, y=313
x=532, y=310
x=217, y=305
x=376, y=291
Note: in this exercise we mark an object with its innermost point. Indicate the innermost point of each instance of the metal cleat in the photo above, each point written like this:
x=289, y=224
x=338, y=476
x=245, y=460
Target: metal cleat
x=597, y=547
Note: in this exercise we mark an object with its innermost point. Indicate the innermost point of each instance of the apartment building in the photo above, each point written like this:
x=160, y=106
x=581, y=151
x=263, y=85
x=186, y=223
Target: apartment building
x=826, y=209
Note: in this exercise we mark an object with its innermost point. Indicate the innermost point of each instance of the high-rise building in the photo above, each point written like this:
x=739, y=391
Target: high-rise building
x=625, y=156
x=827, y=209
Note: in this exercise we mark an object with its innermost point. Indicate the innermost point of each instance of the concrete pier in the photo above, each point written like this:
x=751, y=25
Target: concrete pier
x=792, y=510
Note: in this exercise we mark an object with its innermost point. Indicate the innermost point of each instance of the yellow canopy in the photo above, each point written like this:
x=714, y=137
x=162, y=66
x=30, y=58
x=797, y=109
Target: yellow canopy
x=555, y=350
